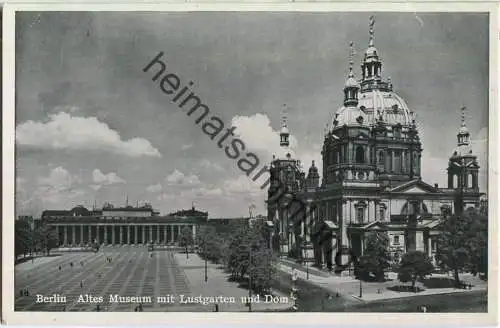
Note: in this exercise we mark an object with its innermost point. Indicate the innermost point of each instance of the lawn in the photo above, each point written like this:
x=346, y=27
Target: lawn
x=313, y=298
x=469, y=302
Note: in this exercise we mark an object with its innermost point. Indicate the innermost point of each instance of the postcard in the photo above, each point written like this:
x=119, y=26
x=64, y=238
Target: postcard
x=279, y=163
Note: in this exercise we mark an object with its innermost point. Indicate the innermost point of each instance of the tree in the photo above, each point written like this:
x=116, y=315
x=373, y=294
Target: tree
x=262, y=269
x=246, y=243
x=210, y=243
x=478, y=243
x=24, y=237
x=462, y=243
x=376, y=257
x=414, y=265
x=46, y=238
x=186, y=239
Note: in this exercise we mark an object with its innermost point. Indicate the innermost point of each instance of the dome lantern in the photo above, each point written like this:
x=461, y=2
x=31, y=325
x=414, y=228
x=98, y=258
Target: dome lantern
x=463, y=136
x=284, y=132
x=351, y=86
x=372, y=65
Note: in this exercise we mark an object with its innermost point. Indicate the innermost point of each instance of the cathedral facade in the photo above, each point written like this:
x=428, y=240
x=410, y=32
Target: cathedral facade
x=371, y=178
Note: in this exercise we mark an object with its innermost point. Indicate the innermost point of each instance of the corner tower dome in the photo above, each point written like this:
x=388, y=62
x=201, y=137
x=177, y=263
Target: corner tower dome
x=463, y=148
x=376, y=100
x=286, y=151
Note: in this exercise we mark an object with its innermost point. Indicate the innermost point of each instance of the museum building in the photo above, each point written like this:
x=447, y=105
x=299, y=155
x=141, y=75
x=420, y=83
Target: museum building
x=131, y=225
x=371, y=177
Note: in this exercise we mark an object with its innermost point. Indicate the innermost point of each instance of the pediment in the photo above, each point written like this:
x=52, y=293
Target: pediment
x=375, y=226
x=416, y=190
x=416, y=187
x=473, y=165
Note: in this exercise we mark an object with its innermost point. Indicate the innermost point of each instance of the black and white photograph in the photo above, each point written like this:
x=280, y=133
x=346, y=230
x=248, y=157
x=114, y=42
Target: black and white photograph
x=250, y=161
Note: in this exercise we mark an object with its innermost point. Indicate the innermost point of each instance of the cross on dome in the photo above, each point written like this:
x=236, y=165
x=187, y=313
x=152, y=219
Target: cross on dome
x=372, y=31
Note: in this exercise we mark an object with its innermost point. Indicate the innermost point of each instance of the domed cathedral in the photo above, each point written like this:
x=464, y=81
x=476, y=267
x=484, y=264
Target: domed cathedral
x=371, y=177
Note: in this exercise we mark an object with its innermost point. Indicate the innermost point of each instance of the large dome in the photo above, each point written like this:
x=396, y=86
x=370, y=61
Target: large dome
x=371, y=105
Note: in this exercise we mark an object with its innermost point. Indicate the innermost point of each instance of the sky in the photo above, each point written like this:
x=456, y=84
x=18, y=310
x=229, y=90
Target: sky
x=92, y=127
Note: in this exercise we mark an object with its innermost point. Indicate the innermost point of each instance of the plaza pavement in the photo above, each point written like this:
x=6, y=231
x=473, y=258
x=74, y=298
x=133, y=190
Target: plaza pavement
x=372, y=291
x=132, y=272
x=217, y=284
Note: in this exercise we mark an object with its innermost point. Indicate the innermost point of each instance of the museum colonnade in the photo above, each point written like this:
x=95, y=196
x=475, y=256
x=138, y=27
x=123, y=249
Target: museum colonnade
x=120, y=234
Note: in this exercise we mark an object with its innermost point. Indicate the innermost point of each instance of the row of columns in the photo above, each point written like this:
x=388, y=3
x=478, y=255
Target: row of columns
x=124, y=231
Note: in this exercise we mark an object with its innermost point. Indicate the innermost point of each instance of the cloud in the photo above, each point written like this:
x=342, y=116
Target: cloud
x=66, y=132
x=258, y=134
x=177, y=178
x=106, y=179
x=242, y=185
x=95, y=187
x=154, y=188
x=59, y=189
x=59, y=179
x=205, y=163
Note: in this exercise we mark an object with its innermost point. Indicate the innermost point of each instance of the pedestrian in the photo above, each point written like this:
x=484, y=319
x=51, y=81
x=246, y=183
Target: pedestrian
x=59, y=268
x=294, y=275
x=216, y=308
x=98, y=308
x=21, y=292
x=81, y=284
x=71, y=264
x=424, y=309
x=27, y=292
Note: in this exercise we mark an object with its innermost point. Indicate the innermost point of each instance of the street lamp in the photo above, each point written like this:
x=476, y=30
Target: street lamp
x=304, y=251
x=205, y=256
x=250, y=274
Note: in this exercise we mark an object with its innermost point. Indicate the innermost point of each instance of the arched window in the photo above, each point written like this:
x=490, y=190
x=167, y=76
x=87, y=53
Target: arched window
x=455, y=181
x=397, y=162
x=360, y=214
x=470, y=181
x=360, y=154
x=382, y=213
x=397, y=133
x=381, y=157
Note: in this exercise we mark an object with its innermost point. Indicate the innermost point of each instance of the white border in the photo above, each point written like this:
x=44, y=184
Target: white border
x=304, y=318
